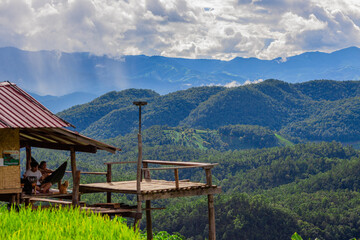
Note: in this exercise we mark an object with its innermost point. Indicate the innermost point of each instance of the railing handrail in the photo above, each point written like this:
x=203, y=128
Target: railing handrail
x=111, y=163
x=169, y=168
x=194, y=164
x=94, y=173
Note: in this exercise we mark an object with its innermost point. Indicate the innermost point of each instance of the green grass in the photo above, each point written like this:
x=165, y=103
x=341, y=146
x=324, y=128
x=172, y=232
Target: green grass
x=283, y=140
x=65, y=223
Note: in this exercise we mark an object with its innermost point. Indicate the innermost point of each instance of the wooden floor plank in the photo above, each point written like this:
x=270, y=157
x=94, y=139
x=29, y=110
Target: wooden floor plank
x=153, y=189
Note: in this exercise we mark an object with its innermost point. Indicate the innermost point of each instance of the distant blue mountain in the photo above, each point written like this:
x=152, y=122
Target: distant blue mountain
x=57, y=104
x=59, y=73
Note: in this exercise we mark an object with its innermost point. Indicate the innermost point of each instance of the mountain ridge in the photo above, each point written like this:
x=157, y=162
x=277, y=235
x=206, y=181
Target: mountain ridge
x=59, y=73
x=310, y=111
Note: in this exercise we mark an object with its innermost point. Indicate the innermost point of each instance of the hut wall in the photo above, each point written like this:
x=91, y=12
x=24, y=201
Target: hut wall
x=9, y=175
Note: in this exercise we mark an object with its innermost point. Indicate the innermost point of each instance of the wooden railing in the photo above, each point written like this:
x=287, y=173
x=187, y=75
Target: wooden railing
x=145, y=170
x=181, y=165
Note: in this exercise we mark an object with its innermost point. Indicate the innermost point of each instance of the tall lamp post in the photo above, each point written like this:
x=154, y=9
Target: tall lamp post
x=139, y=173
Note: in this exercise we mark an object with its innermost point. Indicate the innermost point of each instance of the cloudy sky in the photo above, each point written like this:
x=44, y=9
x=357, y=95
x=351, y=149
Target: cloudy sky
x=217, y=29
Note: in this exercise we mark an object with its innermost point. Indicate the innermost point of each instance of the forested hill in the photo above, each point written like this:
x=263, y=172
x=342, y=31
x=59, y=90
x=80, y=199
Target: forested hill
x=316, y=110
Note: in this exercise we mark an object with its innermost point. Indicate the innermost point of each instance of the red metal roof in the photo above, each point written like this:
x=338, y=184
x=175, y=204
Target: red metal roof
x=19, y=110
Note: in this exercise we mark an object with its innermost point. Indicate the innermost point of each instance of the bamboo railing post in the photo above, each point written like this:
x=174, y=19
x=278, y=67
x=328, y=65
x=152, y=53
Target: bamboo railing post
x=108, y=179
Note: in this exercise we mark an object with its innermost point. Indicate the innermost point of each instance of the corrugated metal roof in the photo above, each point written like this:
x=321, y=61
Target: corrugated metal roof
x=19, y=110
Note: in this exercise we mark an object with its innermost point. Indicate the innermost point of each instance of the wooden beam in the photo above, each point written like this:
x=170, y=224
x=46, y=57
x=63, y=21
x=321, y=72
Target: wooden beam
x=76, y=195
x=110, y=163
x=10, y=190
x=211, y=210
x=62, y=202
x=176, y=173
x=76, y=180
x=149, y=232
x=56, y=146
x=181, y=193
x=73, y=161
x=85, y=140
x=180, y=163
x=91, y=173
x=169, y=168
x=28, y=156
x=108, y=179
x=212, y=233
x=147, y=175
x=208, y=177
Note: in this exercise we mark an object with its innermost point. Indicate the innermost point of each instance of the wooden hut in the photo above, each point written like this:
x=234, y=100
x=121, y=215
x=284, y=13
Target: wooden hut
x=25, y=123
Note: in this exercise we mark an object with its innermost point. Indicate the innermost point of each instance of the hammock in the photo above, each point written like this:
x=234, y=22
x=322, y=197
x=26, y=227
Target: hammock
x=57, y=175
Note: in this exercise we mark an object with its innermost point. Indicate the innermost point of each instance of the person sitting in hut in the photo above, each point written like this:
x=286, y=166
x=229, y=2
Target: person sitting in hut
x=34, y=175
x=44, y=170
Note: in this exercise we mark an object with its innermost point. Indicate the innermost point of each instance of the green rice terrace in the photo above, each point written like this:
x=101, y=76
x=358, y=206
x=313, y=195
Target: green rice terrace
x=66, y=223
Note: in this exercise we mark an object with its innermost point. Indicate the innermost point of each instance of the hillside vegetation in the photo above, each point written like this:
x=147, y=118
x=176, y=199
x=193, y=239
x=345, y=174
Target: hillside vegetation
x=313, y=111
x=311, y=188
x=282, y=166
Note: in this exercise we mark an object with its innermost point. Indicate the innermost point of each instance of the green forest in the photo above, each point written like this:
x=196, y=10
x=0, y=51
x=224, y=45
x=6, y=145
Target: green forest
x=287, y=153
x=321, y=110
x=309, y=188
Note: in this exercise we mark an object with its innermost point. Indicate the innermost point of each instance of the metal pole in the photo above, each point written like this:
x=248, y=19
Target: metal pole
x=139, y=119
x=138, y=177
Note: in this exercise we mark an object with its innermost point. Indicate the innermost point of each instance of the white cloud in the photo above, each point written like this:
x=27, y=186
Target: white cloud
x=221, y=29
x=247, y=82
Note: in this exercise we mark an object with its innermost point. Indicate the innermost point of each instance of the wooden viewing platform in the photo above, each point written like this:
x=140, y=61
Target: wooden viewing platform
x=153, y=189
x=26, y=124
x=147, y=189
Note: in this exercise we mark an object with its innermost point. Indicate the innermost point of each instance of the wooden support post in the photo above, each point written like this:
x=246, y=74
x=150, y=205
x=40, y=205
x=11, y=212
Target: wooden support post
x=28, y=156
x=208, y=176
x=212, y=231
x=73, y=161
x=108, y=179
x=138, y=212
x=138, y=181
x=148, y=220
x=147, y=176
x=13, y=199
x=76, y=195
x=211, y=209
x=176, y=173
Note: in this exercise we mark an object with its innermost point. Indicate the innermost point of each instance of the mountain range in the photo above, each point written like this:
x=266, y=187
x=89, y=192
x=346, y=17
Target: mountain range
x=321, y=110
x=58, y=73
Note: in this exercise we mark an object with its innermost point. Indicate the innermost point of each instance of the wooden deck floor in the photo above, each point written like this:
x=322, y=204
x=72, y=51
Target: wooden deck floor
x=154, y=189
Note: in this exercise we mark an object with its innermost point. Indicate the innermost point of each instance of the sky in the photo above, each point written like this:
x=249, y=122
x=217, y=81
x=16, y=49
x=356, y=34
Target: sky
x=212, y=29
